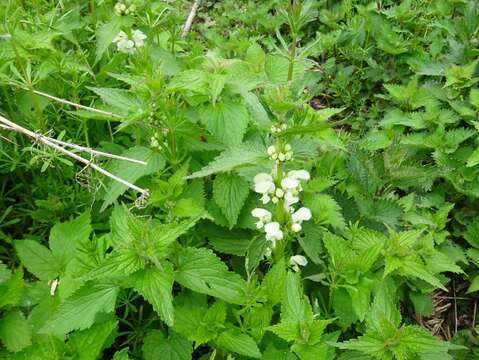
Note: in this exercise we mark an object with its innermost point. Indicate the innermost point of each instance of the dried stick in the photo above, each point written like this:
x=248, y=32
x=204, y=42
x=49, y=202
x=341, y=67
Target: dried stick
x=79, y=106
x=96, y=152
x=48, y=141
x=191, y=17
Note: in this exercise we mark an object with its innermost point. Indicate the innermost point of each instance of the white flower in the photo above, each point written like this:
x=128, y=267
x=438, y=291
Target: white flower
x=302, y=214
x=292, y=180
x=263, y=184
x=287, y=147
x=279, y=193
x=296, y=227
x=271, y=150
x=120, y=8
x=124, y=44
x=296, y=261
x=281, y=157
x=53, y=286
x=273, y=232
x=263, y=215
x=129, y=46
x=290, y=199
x=138, y=38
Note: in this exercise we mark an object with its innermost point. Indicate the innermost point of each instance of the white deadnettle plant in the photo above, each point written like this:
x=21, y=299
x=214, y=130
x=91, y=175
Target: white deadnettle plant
x=296, y=261
x=282, y=189
x=130, y=44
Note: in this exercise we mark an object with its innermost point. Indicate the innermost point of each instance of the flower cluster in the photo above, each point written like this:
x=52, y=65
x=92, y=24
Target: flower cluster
x=122, y=9
x=278, y=128
x=127, y=44
x=280, y=155
x=282, y=189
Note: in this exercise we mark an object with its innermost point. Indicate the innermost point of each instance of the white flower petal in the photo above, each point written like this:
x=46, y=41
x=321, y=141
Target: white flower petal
x=298, y=260
x=303, y=214
x=289, y=183
x=299, y=174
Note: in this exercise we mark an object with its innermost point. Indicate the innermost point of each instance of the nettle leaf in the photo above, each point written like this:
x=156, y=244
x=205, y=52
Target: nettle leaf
x=38, y=259
x=12, y=289
x=325, y=210
x=294, y=306
x=232, y=158
x=123, y=101
x=202, y=271
x=131, y=172
x=105, y=35
x=157, y=347
x=155, y=285
x=15, y=331
x=65, y=237
x=78, y=312
x=236, y=341
x=221, y=118
x=89, y=343
x=230, y=192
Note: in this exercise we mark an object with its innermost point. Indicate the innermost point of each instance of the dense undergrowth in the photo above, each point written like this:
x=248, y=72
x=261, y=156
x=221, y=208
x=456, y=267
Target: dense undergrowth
x=312, y=173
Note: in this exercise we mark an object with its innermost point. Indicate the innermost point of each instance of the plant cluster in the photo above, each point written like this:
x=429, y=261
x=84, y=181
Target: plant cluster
x=309, y=176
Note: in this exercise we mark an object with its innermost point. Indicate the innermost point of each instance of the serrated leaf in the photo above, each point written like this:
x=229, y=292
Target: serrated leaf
x=105, y=35
x=123, y=101
x=157, y=347
x=230, y=192
x=238, y=342
x=474, y=285
x=156, y=285
x=202, y=271
x=325, y=210
x=232, y=158
x=88, y=344
x=38, y=259
x=65, y=237
x=131, y=172
x=221, y=118
x=12, y=289
x=78, y=312
x=15, y=331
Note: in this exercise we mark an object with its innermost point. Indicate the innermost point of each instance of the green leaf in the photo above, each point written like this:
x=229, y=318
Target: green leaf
x=273, y=282
x=38, y=259
x=78, y=312
x=474, y=286
x=121, y=262
x=156, y=285
x=12, y=289
x=415, y=268
x=230, y=192
x=222, y=118
x=131, y=172
x=105, y=35
x=236, y=341
x=123, y=101
x=88, y=344
x=15, y=332
x=232, y=158
x=202, y=271
x=325, y=210
x=287, y=330
x=294, y=306
x=121, y=355
x=65, y=237
x=157, y=347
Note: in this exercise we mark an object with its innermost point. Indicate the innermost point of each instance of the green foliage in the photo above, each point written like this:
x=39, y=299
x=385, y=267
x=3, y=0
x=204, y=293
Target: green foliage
x=376, y=102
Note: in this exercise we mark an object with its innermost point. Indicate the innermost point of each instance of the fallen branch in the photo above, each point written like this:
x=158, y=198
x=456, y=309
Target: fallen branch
x=53, y=143
x=191, y=17
x=79, y=106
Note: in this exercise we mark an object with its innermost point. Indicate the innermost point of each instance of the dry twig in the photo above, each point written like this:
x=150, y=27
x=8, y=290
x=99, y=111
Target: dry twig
x=56, y=144
x=191, y=17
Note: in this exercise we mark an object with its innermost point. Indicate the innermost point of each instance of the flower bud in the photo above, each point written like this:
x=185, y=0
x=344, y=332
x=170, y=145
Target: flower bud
x=271, y=150
x=296, y=227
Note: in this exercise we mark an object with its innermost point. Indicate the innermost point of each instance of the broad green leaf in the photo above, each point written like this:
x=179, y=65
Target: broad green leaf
x=157, y=347
x=423, y=304
x=474, y=286
x=311, y=352
x=121, y=355
x=121, y=100
x=274, y=282
x=232, y=158
x=131, y=172
x=120, y=262
x=156, y=285
x=38, y=259
x=105, y=35
x=236, y=341
x=15, y=331
x=289, y=331
x=411, y=267
x=78, y=312
x=222, y=118
x=258, y=113
x=202, y=271
x=89, y=343
x=473, y=159
x=294, y=306
x=230, y=192
x=65, y=237
x=11, y=290
x=325, y=210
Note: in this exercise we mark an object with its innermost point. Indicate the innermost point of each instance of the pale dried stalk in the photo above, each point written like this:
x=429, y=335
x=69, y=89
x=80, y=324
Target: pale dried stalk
x=48, y=141
x=79, y=106
x=191, y=17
